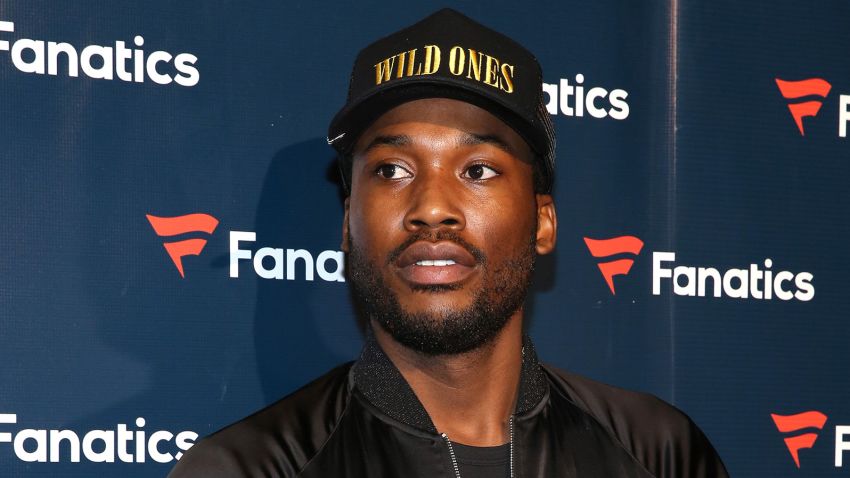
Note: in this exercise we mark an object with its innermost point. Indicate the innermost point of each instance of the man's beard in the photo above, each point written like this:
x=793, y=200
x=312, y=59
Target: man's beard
x=446, y=331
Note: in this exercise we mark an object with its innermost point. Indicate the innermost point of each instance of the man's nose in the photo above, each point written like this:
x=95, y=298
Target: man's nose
x=434, y=203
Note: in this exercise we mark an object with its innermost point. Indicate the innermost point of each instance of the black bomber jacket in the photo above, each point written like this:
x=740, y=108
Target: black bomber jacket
x=363, y=420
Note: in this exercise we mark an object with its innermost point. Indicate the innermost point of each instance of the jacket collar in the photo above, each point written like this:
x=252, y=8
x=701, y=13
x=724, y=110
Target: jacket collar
x=377, y=378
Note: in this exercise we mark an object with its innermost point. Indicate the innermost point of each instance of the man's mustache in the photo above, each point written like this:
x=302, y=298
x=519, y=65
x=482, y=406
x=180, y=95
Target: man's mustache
x=442, y=235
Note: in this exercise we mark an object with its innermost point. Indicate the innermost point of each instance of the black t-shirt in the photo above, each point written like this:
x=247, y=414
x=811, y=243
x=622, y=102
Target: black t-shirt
x=483, y=462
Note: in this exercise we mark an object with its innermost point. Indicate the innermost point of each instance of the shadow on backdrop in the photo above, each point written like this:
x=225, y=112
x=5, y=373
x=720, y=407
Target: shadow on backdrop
x=302, y=328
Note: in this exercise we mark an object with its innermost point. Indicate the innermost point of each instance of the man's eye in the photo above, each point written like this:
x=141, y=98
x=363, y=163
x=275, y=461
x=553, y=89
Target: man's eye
x=392, y=171
x=479, y=171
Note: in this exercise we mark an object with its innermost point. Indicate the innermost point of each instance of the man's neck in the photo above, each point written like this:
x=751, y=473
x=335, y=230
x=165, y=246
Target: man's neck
x=469, y=397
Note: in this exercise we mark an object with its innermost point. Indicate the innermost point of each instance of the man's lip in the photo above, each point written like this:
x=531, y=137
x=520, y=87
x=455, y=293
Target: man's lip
x=435, y=251
x=462, y=263
x=435, y=275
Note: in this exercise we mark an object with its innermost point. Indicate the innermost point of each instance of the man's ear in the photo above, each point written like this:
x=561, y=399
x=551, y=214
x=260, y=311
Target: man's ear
x=547, y=224
x=345, y=239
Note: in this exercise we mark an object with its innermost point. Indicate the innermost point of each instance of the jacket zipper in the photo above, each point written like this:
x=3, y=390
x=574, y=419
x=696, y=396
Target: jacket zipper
x=511, y=443
x=510, y=447
x=452, y=454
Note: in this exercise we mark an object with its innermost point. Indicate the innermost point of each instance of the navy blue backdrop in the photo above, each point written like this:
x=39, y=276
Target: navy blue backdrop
x=672, y=129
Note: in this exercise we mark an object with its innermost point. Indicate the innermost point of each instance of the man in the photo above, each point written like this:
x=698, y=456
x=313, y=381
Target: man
x=447, y=155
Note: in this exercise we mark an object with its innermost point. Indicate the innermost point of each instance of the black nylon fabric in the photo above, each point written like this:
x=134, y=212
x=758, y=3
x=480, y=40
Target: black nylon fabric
x=576, y=428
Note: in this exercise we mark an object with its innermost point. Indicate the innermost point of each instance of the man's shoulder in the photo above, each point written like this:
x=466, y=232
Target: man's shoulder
x=622, y=411
x=283, y=436
x=658, y=435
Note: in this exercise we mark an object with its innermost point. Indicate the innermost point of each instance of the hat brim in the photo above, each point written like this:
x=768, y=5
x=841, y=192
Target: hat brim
x=350, y=122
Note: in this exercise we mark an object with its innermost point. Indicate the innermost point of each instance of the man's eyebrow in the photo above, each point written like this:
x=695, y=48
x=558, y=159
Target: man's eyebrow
x=473, y=139
x=388, y=140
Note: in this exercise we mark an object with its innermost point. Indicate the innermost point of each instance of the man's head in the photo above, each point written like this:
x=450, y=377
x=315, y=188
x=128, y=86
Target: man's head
x=448, y=206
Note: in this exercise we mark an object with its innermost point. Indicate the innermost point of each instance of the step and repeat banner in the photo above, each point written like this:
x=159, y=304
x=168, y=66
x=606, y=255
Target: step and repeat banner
x=171, y=217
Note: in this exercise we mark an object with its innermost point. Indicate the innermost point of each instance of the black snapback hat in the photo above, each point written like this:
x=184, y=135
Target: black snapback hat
x=448, y=55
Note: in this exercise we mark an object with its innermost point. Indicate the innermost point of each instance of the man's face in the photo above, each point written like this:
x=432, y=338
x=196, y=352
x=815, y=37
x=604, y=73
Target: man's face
x=442, y=225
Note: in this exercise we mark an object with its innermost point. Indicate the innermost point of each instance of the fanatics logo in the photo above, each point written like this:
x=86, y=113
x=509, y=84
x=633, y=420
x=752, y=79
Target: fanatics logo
x=572, y=97
x=794, y=90
x=103, y=62
x=604, y=248
x=754, y=281
x=124, y=443
x=268, y=262
x=798, y=422
x=173, y=226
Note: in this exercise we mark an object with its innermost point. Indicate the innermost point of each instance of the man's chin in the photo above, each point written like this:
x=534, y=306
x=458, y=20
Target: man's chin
x=443, y=330
x=436, y=343
x=435, y=307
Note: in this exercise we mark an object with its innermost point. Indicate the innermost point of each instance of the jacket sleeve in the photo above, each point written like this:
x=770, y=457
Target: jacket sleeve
x=674, y=447
x=208, y=460
x=278, y=440
x=662, y=438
